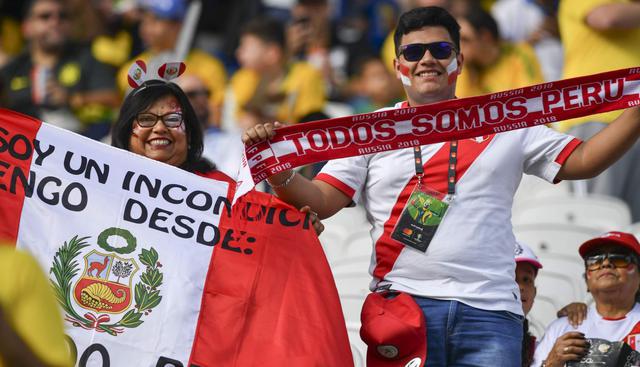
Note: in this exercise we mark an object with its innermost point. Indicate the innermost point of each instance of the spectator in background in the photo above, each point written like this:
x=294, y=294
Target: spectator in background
x=159, y=29
x=221, y=147
x=115, y=31
x=536, y=23
x=373, y=87
x=31, y=332
x=308, y=37
x=527, y=266
x=492, y=65
x=55, y=80
x=268, y=86
x=611, y=272
x=598, y=36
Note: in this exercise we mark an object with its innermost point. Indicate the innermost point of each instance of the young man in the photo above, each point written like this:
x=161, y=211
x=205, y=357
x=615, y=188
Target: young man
x=464, y=280
x=611, y=272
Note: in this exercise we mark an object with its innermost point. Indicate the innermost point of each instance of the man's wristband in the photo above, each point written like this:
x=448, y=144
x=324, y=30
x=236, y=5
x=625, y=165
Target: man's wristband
x=285, y=182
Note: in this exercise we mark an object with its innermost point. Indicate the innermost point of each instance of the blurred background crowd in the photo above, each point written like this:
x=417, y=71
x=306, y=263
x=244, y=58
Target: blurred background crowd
x=255, y=61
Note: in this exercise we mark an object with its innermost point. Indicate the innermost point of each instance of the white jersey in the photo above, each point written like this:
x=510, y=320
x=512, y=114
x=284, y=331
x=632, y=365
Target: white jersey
x=470, y=258
x=594, y=326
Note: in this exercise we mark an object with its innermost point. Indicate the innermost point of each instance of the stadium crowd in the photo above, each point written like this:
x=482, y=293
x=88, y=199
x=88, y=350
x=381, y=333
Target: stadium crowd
x=254, y=66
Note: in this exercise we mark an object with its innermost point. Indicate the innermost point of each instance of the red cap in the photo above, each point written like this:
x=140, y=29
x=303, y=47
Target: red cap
x=622, y=239
x=393, y=327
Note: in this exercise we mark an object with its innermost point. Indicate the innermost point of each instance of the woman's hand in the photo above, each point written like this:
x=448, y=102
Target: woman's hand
x=313, y=217
x=569, y=347
x=576, y=312
x=260, y=133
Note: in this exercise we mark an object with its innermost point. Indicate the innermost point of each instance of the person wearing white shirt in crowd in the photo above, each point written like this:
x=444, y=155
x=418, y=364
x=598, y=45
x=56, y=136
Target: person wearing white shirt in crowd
x=462, y=275
x=611, y=273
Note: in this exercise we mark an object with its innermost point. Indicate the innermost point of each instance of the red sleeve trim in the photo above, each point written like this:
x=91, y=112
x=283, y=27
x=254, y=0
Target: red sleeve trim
x=568, y=149
x=344, y=188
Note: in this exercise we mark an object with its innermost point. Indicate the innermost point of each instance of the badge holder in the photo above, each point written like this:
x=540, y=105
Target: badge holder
x=426, y=207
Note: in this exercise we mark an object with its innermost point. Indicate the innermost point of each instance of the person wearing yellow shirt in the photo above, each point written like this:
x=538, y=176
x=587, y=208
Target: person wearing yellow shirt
x=31, y=331
x=598, y=36
x=492, y=65
x=159, y=29
x=267, y=87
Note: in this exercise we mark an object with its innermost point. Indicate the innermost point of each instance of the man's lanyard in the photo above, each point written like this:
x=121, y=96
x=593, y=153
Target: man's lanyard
x=453, y=161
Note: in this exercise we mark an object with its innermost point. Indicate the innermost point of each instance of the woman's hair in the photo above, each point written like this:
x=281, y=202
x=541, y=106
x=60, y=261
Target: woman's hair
x=140, y=99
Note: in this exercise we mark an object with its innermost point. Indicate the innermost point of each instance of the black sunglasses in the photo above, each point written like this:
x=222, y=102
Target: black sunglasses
x=595, y=262
x=415, y=51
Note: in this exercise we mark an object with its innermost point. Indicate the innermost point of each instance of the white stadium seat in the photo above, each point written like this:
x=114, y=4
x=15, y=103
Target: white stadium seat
x=634, y=229
x=554, y=237
x=601, y=212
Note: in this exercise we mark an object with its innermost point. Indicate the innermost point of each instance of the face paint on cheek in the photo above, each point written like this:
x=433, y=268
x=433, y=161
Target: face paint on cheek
x=404, y=75
x=631, y=269
x=452, y=71
x=181, y=128
x=136, y=130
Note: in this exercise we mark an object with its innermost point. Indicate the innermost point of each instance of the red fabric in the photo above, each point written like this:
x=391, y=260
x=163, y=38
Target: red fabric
x=270, y=299
x=633, y=337
x=15, y=128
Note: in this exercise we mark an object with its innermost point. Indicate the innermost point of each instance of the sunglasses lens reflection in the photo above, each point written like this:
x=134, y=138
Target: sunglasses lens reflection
x=439, y=50
x=617, y=260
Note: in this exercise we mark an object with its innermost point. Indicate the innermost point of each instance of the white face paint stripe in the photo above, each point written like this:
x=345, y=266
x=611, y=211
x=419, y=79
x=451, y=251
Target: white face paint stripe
x=452, y=67
x=452, y=71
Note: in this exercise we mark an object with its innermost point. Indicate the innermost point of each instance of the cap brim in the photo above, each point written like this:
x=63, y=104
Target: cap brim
x=536, y=264
x=592, y=244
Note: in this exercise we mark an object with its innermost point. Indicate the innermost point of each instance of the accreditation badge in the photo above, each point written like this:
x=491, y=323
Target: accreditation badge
x=420, y=218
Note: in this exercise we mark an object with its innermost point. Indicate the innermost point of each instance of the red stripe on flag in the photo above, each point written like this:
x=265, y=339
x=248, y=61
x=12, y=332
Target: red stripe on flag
x=17, y=133
x=435, y=177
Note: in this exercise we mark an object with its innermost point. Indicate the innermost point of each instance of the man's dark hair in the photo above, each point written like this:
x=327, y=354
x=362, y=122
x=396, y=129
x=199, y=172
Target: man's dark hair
x=481, y=19
x=268, y=30
x=140, y=100
x=28, y=6
x=428, y=16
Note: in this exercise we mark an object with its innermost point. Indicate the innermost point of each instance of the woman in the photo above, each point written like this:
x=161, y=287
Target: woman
x=177, y=141
x=612, y=277
x=157, y=121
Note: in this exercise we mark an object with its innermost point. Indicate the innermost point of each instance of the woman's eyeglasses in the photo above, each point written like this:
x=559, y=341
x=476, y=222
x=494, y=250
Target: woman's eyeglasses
x=618, y=260
x=415, y=51
x=148, y=119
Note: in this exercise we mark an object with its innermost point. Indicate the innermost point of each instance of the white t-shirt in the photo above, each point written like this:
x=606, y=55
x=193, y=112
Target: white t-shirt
x=594, y=326
x=470, y=258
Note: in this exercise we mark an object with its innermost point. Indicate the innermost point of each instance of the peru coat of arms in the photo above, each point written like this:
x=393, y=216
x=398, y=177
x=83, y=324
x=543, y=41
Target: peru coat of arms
x=105, y=286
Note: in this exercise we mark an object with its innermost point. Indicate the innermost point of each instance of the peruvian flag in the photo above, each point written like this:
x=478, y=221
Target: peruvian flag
x=150, y=265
